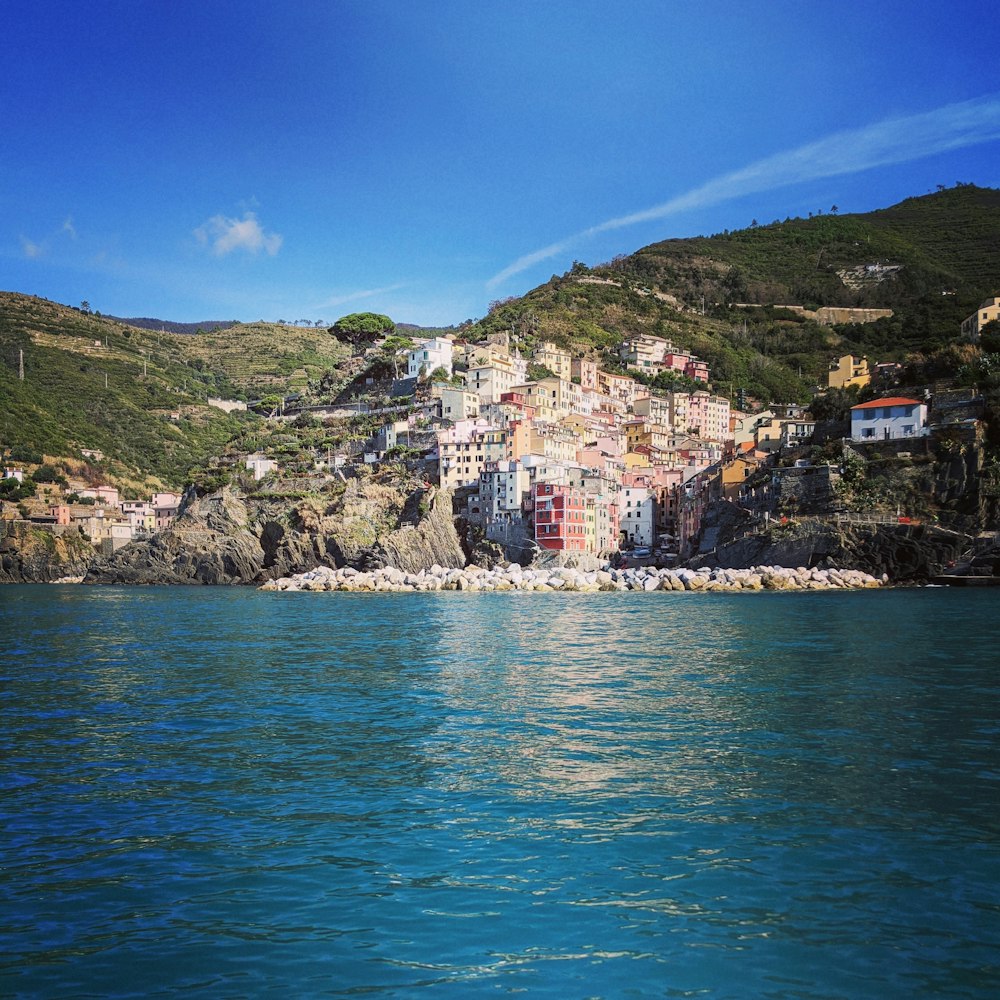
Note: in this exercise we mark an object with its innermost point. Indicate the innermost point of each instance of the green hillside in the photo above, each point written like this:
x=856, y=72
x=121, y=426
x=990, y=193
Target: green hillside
x=930, y=259
x=943, y=242
x=140, y=396
x=97, y=384
x=261, y=358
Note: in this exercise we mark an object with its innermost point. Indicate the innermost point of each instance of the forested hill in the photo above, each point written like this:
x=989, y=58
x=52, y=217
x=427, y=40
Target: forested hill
x=930, y=259
x=169, y=326
x=946, y=242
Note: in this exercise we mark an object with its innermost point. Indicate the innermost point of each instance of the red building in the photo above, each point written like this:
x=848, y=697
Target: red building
x=698, y=370
x=560, y=514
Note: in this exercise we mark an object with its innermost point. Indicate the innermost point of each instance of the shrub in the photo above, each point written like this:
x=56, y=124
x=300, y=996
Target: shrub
x=48, y=474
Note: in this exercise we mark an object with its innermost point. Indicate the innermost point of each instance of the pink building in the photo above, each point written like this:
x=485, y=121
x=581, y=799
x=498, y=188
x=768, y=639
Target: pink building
x=103, y=494
x=60, y=512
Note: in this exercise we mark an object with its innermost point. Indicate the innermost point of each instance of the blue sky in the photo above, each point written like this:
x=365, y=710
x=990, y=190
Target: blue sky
x=214, y=159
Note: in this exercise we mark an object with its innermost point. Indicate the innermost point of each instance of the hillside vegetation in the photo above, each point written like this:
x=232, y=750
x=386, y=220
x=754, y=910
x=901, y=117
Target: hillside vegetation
x=140, y=395
x=261, y=358
x=930, y=259
x=92, y=383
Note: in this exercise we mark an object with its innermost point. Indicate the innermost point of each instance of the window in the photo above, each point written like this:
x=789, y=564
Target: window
x=868, y=432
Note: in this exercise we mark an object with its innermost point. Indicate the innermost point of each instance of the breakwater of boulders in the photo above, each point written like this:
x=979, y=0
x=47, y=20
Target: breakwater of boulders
x=517, y=578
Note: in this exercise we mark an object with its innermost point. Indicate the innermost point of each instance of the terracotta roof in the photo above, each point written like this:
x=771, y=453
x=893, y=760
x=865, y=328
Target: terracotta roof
x=888, y=401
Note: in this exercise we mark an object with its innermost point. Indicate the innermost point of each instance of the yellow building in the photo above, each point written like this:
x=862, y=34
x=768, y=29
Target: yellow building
x=734, y=474
x=645, y=432
x=558, y=362
x=986, y=313
x=847, y=371
x=621, y=388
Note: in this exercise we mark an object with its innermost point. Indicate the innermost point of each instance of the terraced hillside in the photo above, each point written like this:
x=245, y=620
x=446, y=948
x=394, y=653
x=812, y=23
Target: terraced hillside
x=260, y=358
x=943, y=242
x=931, y=260
x=92, y=383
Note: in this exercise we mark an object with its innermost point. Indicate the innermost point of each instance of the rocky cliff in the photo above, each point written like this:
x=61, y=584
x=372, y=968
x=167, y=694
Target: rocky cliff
x=906, y=553
x=225, y=538
x=30, y=554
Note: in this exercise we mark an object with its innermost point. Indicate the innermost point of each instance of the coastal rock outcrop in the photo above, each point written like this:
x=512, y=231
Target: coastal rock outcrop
x=228, y=539
x=31, y=554
x=905, y=553
x=213, y=541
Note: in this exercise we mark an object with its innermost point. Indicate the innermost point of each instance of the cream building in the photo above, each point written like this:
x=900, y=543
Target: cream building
x=558, y=361
x=986, y=313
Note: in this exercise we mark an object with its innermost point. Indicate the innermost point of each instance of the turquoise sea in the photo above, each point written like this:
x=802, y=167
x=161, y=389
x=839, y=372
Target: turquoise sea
x=227, y=793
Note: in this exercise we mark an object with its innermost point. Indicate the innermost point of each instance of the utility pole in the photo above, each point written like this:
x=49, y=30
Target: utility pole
x=20, y=364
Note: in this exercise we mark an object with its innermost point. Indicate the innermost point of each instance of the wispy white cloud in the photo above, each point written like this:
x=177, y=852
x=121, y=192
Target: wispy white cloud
x=339, y=300
x=226, y=235
x=69, y=228
x=895, y=140
x=31, y=249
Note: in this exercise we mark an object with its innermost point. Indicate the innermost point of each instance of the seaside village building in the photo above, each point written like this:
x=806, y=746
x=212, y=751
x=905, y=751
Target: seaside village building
x=986, y=313
x=847, y=371
x=496, y=376
x=558, y=361
x=889, y=420
x=110, y=522
x=582, y=460
x=653, y=355
x=428, y=356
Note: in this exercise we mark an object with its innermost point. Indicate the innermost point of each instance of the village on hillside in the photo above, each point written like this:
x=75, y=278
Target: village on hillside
x=554, y=453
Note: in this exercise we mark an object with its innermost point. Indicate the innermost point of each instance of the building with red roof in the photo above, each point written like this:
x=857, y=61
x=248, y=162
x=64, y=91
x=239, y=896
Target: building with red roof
x=889, y=419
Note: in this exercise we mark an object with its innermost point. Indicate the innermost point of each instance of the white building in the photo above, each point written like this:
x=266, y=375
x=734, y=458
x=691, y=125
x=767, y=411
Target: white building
x=637, y=514
x=492, y=380
x=502, y=488
x=888, y=419
x=456, y=404
x=257, y=464
x=428, y=356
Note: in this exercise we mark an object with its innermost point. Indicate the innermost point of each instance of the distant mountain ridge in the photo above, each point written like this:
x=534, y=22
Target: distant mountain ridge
x=168, y=326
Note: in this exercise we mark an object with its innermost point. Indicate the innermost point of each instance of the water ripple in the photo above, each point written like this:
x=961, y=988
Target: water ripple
x=228, y=793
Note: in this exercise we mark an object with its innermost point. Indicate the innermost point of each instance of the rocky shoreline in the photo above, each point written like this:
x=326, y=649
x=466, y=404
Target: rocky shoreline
x=513, y=577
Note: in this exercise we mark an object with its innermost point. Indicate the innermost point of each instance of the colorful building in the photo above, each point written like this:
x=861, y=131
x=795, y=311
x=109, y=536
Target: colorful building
x=429, y=356
x=849, y=370
x=560, y=517
x=986, y=313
